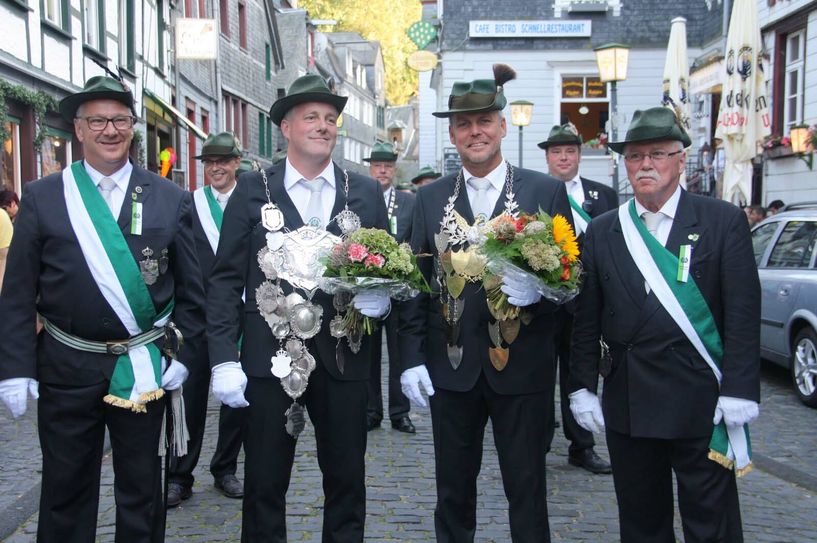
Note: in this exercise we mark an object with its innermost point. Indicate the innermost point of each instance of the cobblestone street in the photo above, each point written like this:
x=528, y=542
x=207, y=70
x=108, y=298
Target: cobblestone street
x=778, y=499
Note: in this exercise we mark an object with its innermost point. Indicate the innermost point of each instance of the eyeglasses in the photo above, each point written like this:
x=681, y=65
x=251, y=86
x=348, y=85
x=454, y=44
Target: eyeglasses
x=98, y=124
x=655, y=156
x=208, y=162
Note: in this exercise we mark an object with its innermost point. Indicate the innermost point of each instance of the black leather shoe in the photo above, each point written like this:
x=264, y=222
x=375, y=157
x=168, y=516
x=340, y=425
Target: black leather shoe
x=372, y=423
x=404, y=424
x=176, y=493
x=230, y=486
x=589, y=460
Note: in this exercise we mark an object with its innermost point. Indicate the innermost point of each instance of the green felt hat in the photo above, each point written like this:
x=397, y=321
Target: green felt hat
x=565, y=134
x=479, y=95
x=246, y=165
x=382, y=152
x=425, y=172
x=97, y=88
x=307, y=88
x=224, y=144
x=656, y=123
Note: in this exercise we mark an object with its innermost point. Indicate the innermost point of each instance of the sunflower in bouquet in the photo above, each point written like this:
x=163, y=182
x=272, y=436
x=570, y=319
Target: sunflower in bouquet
x=540, y=247
x=368, y=258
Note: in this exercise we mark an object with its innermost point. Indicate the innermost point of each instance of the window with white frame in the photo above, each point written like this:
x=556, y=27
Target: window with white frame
x=93, y=18
x=54, y=11
x=584, y=103
x=126, y=34
x=793, y=80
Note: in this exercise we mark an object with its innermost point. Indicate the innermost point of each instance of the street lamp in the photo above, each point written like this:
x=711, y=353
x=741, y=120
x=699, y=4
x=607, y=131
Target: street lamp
x=800, y=143
x=612, y=60
x=521, y=113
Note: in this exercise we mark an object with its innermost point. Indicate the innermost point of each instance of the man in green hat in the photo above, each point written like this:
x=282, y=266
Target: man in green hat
x=304, y=197
x=469, y=378
x=221, y=158
x=103, y=252
x=426, y=175
x=671, y=287
x=400, y=207
x=588, y=199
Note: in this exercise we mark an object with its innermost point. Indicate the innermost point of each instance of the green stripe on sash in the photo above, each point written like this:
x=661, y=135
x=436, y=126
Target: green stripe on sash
x=215, y=209
x=578, y=209
x=124, y=264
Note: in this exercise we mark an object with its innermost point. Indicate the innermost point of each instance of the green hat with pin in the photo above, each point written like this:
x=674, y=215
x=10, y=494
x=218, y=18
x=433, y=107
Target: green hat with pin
x=565, y=134
x=656, y=123
x=382, y=152
x=426, y=172
x=479, y=95
x=307, y=88
x=99, y=87
x=223, y=144
x=246, y=165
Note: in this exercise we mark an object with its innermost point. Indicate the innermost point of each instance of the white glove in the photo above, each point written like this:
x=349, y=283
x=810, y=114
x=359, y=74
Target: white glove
x=372, y=303
x=735, y=411
x=175, y=374
x=586, y=409
x=410, y=382
x=520, y=292
x=229, y=384
x=14, y=393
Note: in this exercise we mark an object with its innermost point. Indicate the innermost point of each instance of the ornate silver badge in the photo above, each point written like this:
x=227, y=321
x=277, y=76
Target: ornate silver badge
x=149, y=267
x=271, y=217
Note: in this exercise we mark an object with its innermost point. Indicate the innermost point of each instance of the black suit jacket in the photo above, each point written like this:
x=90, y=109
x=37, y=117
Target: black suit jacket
x=205, y=253
x=404, y=210
x=236, y=267
x=47, y=274
x=601, y=198
x=423, y=330
x=659, y=385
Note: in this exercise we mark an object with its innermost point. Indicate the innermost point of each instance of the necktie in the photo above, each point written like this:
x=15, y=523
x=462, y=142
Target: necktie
x=222, y=200
x=480, y=204
x=314, y=209
x=106, y=186
x=651, y=221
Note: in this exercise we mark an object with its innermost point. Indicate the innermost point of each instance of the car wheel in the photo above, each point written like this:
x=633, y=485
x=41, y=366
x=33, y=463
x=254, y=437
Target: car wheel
x=804, y=366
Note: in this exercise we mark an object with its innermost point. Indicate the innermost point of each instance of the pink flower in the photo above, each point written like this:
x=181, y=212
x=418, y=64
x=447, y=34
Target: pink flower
x=375, y=260
x=357, y=252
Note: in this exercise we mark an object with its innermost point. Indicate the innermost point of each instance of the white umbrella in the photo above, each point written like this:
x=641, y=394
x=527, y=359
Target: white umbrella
x=743, y=119
x=676, y=74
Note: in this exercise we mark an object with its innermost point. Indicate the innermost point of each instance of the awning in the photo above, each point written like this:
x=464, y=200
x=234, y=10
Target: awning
x=176, y=113
x=706, y=79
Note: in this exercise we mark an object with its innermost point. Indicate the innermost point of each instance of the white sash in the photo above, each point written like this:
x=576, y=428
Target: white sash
x=206, y=218
x=105, y=277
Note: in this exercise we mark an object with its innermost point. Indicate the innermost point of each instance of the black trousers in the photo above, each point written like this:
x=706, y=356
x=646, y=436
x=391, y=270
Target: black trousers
x=578, y=437
x=72, y=421
x=642, y=474
x=231, y=423
x=398, y=403
x=458, y=420
x=337, y=410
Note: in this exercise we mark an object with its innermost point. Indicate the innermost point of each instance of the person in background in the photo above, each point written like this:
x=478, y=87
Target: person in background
x=400, y=207
x=8, y=208
x=755, y=214
x=425, y=176
x=9, y=202
x=588, y=199
x=774, y=207
x=221, y=157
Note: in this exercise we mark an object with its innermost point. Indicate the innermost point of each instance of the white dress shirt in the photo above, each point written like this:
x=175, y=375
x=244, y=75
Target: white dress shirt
x=121, y=177
x=667, y=213
x=225, y=195
x=387, y=195
x=576, y=191
x=300, y=194
x=497, y=179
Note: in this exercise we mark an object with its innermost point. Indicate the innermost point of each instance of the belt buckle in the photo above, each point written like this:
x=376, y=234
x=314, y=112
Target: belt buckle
x=117, y=348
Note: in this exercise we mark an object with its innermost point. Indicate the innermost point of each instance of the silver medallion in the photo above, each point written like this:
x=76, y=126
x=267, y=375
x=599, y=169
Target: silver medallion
x=305, y=364
x=294, y=384
x=295, y=347
x=336, y=327
x=271, y=217
x=305, y=319
x=267, y=295
x=149, y=267
x=280, y=330
x=281, y=364
x=347, y=221
x=296, y=420
x=275, y=240
x=164, y=261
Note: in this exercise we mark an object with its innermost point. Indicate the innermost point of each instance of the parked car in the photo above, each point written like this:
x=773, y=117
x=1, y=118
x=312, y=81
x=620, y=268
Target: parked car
x=784, y=246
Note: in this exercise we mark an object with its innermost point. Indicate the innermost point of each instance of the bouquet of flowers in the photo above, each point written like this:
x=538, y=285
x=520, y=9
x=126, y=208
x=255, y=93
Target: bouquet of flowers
x=540, y=249
x=368, y=259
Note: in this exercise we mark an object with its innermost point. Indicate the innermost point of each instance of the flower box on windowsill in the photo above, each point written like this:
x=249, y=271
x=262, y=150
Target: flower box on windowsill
x=781, y=151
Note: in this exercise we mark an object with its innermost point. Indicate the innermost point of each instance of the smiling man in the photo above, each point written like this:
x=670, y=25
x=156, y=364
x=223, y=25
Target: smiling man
x=221, y=157
x=468, y=378
x=103, y=252
x=671, y=287
x=308, y=191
